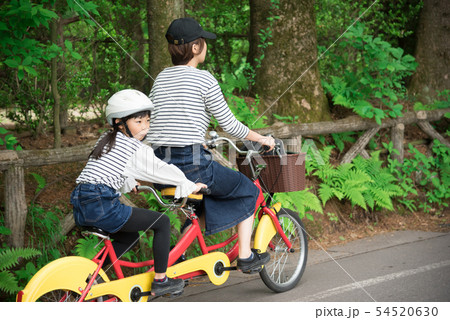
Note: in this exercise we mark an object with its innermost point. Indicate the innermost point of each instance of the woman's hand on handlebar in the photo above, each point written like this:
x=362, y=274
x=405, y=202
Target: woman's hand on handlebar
x=268, y=142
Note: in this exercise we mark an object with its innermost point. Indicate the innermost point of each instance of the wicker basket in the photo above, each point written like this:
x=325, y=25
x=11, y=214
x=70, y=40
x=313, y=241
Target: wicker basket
x=283, y=174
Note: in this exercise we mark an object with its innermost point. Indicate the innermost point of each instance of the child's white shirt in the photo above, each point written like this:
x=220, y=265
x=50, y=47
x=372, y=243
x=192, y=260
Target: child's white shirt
x=145, y=166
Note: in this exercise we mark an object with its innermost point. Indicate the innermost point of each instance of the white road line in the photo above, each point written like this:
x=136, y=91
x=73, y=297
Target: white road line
x=374, y=281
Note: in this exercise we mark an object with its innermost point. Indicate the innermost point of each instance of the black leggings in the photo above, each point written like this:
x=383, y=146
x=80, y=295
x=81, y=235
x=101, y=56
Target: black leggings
x=142, y=220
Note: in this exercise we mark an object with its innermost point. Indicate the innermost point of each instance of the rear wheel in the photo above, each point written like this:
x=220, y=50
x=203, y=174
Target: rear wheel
x=59, y=296
x=63, y=295
x=286, y=266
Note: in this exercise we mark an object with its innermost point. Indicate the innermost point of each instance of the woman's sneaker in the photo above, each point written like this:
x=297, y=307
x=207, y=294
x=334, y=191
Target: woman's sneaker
x=254, y=263
x=169, y=286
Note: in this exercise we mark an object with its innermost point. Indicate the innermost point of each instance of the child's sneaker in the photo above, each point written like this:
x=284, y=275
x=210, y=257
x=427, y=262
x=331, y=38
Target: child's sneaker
x=169, y=285
x=254, y=263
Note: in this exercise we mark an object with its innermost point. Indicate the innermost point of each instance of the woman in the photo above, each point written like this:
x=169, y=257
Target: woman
x=185, y=98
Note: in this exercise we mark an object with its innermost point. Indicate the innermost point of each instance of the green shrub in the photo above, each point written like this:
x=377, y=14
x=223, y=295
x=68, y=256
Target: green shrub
x=372, y=84
x=429, y=174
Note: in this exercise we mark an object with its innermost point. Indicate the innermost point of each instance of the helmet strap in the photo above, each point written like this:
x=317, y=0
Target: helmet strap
x=127, y=130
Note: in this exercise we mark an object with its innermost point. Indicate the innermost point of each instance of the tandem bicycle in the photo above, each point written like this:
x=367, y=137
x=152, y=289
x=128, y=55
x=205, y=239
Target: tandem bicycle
x=279, y=231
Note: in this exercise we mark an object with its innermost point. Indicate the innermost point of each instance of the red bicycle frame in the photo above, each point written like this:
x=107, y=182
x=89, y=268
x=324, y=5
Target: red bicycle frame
x=193, y=233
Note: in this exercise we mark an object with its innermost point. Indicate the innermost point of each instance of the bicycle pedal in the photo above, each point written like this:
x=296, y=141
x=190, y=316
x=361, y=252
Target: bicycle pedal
x=173, y=295
x=253, y=271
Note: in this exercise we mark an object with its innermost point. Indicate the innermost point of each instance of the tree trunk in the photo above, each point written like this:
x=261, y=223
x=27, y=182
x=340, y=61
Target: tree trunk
x=432, y=51
x=288, y=80
x=135, y=74
x=159, y=16
x=54, y=88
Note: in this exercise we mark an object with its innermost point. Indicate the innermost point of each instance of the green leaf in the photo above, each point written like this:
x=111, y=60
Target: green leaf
x=40, y=180
x=76, y=55
x=31, y=71
x=12, y=63
x=48, y=13
x=8, y=282
x=68, y=45
x=4, y=230
x=20, y=73
x=3, y=26
x=27, y=61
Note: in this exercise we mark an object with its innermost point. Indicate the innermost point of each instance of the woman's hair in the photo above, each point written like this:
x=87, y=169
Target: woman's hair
x=182, y=53
x=109, y=140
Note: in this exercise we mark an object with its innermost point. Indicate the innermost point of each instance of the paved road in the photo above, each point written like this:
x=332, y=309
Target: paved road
x=398, y=266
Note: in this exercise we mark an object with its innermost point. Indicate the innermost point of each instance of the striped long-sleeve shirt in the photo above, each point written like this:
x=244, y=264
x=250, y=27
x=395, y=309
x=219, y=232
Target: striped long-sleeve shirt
x=185, y=98
x=130, y=160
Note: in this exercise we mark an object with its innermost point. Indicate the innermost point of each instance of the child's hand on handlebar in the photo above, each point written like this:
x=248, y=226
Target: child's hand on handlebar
x=135, y=189
x=200, y=186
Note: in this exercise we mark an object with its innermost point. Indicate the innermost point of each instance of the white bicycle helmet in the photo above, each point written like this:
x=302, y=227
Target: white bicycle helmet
x=125, y=103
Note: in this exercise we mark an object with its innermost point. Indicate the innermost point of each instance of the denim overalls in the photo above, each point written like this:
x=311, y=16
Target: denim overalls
x=233, y=195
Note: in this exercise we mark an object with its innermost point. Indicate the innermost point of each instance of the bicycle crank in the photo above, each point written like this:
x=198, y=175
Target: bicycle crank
x=219, y=269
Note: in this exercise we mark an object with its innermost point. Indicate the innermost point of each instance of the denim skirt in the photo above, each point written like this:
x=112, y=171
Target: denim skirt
x=233, y=196
x=98, y=205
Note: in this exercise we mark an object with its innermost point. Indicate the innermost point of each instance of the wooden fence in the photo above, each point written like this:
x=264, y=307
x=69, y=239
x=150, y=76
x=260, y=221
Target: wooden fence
x=12, y=163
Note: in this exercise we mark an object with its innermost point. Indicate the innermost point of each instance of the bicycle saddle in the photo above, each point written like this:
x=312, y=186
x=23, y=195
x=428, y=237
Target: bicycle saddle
x=95, y=231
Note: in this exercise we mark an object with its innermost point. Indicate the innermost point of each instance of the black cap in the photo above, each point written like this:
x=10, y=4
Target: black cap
x=185, y=30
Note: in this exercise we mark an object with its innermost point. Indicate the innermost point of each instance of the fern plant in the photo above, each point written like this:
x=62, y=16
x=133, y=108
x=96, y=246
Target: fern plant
x=88, y=247
x=9, y=258
x=365, y=182
x=383, y=187
x=300, y=201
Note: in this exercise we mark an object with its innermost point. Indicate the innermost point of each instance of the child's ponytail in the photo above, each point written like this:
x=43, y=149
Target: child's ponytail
x=108, y=141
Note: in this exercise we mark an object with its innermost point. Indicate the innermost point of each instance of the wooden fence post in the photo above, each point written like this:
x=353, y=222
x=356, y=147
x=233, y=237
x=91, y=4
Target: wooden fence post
x=294, y=144
x=15, y=205
x=359, y=146
x=397, y=135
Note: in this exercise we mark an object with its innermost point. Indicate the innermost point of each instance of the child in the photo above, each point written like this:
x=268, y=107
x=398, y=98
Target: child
x=118, y=158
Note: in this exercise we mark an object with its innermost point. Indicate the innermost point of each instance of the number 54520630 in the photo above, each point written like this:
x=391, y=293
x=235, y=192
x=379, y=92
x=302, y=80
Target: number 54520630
x=407, y=311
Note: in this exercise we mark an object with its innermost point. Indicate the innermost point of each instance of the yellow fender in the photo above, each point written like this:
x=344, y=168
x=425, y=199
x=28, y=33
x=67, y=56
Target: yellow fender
x=68, y=273
x=266, y=230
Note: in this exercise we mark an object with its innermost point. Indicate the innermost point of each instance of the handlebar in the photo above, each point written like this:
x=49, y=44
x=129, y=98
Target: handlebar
x=212, y=143
x=205, y=191
x=249, y=154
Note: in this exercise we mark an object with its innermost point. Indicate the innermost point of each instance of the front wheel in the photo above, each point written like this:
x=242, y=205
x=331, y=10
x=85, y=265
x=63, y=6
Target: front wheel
x=286, y=266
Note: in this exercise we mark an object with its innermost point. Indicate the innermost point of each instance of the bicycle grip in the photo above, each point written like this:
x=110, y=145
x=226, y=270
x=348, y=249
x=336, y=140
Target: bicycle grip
x=205, y=191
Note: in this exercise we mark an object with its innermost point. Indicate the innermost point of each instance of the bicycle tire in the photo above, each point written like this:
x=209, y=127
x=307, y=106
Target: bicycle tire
x=59, y=295
x=285, y=269
x=62, y=295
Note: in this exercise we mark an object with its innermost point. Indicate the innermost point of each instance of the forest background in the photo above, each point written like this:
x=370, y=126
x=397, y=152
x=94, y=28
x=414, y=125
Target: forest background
x=276, y=61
